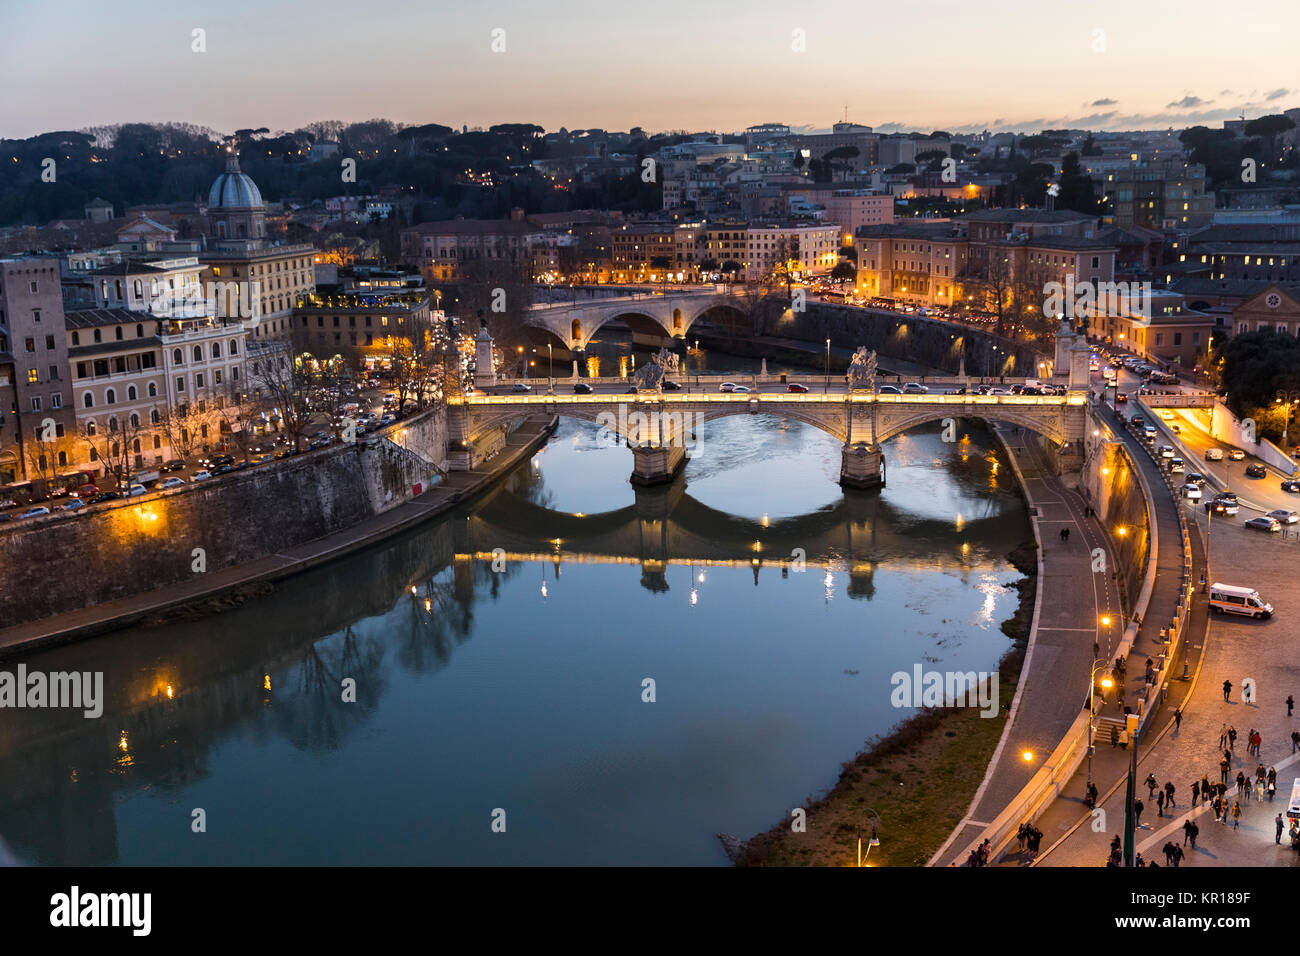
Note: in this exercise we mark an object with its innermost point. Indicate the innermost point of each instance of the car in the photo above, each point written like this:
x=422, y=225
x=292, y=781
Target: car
x=915, y=388
x=1177, y=466
x=35, y=512
x=517, y=387
x=672, y=386
x=222, y=470
x=1284, y=516
x=85, y=491
x=262, y=459
x=104, y=496
x=387, y=419
x=8, y=503
x=167, y=483
x=1165, y=414
x=1194, y=478
x=1137, y=421
x=1263, y=524
x=284, y=453
x=201, y=476
x=1175, y=429
x=1166, y=451
x=1149, y=434
x=632, y=390
x=582, y=388
x=135, y=491
x=892, y=390
x=727, y=387
x=1256, y=471
x=1236, y=454
x=742, y=388
x=1192, y=492
x=796, y=387
x=1121, y=397
x=174, y=465
x=1291, y=487
x=1214, y=454
x=74, y=504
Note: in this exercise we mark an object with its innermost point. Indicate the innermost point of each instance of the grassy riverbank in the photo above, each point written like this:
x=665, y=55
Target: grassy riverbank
x=920, y=778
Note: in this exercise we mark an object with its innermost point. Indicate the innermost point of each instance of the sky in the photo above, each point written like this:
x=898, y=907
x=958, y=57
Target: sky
x=661, y=65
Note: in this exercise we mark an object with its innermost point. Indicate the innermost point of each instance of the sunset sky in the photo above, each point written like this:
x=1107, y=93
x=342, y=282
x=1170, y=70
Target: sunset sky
x=664, y=65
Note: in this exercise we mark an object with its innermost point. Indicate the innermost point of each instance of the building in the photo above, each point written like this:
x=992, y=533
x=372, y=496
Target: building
x=366, y=329
x=454, y=249
x=1277, y=306
x=1163, y=194
x=99, y=210
x=34, y=386
x=1156, y=325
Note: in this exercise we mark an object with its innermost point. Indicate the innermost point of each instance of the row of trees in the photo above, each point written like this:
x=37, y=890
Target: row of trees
x=1260, y=372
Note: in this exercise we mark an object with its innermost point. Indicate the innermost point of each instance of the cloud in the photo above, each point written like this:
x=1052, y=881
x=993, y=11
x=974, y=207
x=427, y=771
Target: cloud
x=1187, y=103
x=1226, y=93
x=1276, y=94
x=1104, y=101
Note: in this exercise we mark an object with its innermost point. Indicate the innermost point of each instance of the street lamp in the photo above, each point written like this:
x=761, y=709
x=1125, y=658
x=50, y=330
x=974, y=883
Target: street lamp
x=828, y=366
x=1287, y=398
x=1107, y=683
x=873, y=841
x=550, y=371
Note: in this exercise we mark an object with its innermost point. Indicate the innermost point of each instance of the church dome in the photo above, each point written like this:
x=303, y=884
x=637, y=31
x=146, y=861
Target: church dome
x=233, y=190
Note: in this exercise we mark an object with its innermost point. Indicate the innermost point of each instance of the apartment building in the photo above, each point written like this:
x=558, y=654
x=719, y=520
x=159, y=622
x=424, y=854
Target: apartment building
x=1164, y=194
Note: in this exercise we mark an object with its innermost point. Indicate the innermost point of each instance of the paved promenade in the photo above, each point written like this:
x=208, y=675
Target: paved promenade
x=455, y=486
x=1054, y=679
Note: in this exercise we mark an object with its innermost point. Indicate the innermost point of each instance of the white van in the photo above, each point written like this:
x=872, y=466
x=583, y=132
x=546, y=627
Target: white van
x=1227, y=599
x=1293, y=808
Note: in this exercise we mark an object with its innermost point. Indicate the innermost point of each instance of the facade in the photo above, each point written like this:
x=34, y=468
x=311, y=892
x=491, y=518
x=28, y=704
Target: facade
x=366, y=330
x=450, y=250
x=1155, y=325
x=1163, y=194
x=34, y=386
x=1275, y=307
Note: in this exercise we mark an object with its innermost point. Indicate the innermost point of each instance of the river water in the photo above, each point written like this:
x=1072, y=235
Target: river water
x=500, y=658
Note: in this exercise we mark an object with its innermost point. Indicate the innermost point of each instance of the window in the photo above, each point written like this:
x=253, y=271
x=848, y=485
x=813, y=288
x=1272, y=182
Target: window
x=130, y=393
x=36, y=403
x=54, y=373
x=216, y=377
x=157, y=441
x=63, y=459
x=153, y=390
x=198, y=380
x=155, y=417
x=30, y=344
x=139, y=330
x=135, y=422
x=216, y=350
x=234, y=344
x=32, y=377
x=234, y=374
x=90, y=430
x=56, y=401
x=112, y=424
x=110, y=397
x=76, y=338
x=88, y=400
x=117, y=333
x=36, y=315
x=97, y=336
x=180, y=385
x=33, y=286
x=177, y=357
x=198, y=353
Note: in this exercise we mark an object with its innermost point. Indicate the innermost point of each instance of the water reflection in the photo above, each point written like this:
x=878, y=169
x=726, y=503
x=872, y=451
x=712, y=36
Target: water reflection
x=769, y=678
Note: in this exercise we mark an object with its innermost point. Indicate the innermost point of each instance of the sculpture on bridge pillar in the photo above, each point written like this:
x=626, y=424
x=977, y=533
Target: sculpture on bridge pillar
x=652, y=374
x=862, y=370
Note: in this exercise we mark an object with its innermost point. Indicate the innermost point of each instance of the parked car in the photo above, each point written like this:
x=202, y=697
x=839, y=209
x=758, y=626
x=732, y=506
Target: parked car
x=104, y=496
x=1192, y=492
x=167, y=483
x=174, y=465
x=632, y=390
x=1291, y=486
x=727, y=387
x=1256, y=471
x=35, y=512
x=1214, y=454
x=1236, y=454
x=135, y=491
x=517, y=387
x=742, y=388
x=796, y=387
x=222, y=470
x=74, y=504
x=915, y=388
x=1263, y=524
x=1284, y=516
x=201, y=476
x=284, y=453
x=672, y=386
x=8, y=503
x=889, y=390
x=86, y=491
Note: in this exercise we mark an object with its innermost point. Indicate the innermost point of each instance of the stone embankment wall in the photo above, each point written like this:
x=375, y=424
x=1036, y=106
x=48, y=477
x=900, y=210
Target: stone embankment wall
x=65, y=562
x=1110, y=483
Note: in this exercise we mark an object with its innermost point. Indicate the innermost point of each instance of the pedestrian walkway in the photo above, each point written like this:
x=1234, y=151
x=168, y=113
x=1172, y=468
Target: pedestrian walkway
x=1068, y=826
x=1053, y=685
x=111, y=615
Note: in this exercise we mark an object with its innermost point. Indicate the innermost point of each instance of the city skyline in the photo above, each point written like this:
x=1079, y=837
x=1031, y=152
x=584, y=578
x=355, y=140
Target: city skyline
x=671, y=72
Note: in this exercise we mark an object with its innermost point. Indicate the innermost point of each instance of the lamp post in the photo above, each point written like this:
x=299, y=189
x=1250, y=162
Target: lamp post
x=1107, y=683
x=874, y=839
x=550, y=371
x=1287, y=398
x=828, y=367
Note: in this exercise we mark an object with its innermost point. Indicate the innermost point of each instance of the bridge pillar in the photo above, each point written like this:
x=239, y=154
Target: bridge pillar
x=657, y=464
x=862, y=466
x=485, y=372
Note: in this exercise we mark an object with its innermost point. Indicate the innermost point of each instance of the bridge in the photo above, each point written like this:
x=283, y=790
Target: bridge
x=660, y=428
x=669, y=314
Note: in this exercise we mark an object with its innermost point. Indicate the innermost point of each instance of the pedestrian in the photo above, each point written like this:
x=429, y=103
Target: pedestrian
x=1160, y=804
x=1178, y=718
x=1150, y=781
x=1187, y=831
x=1217, y=806
x=1257, y=740
x=1278, y=823
x=1223, y=736
x=1020, y=838
x=1241, y=782
x=1205, y=787
x=1250, y=741
x=1245, y=693
x=1169, y=794
x=1290, y=705
x=1272, y=777
x=1196, y=790
x=1196, y=831
x=1223, y=770
x=1178, y=855
x=1232, y=738
x=1169, y=853
x=1259, y=790
x=1227, y=689
x=1138, y=807
x=1114, y=736
x=1236, y=814
x=1295, y=740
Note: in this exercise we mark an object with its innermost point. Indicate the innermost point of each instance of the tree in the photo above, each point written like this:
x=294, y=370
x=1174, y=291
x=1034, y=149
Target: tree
x=844, y=272
x=113, y=447
x=1256, y=366
x=45, y=459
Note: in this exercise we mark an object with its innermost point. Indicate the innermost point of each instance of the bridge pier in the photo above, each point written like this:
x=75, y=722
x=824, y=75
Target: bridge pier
x=861, y=466
x=657, y=464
